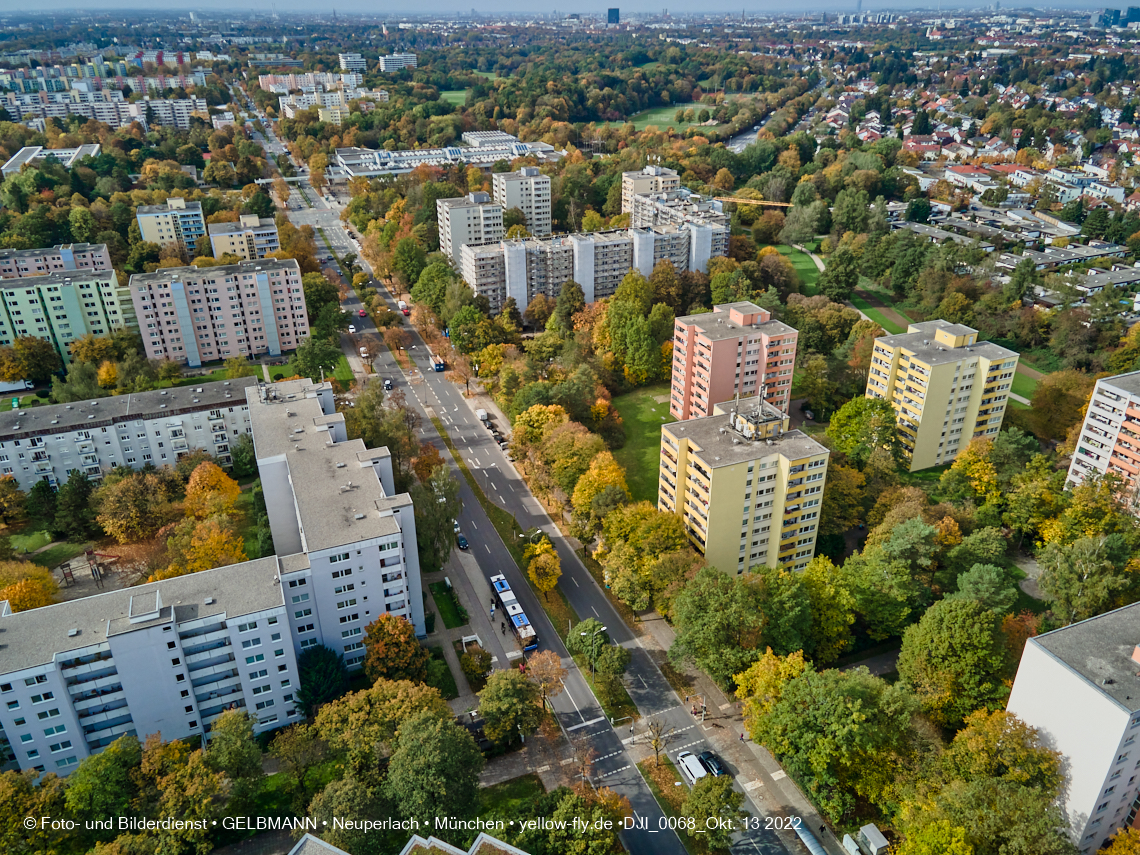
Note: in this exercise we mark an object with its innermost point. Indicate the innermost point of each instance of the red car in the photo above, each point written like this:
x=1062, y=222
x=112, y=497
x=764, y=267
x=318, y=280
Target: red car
x=363, y=313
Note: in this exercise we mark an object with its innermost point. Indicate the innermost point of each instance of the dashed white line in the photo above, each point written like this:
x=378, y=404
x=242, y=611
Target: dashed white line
x=586, y=723
x=614, y=772
x=595, y=611
x=485, y=546
x=473, y=524
x=575, y=581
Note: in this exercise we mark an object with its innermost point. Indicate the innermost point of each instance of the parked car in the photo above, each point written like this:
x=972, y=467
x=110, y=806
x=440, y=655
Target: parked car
x=455, y=525
x=352, y=328
x=387, y=384
x=461, y=541
x=489, y=425
x=711, y=762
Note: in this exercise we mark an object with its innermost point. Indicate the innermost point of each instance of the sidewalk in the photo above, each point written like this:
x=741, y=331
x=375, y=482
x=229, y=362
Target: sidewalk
x=762, y=778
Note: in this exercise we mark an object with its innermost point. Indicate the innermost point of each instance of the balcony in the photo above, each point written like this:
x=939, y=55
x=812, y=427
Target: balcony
x=104, y=712
x=81, y=687
x=100, y=700
x=220, y=692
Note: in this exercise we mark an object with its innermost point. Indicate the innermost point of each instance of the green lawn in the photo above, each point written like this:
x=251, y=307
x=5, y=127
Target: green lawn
x=875, y=315
x=508, y=798
x=59, y=553
x=245, y=521
x=440, y=676
x=663, y=117
x=457, y=97
x=30, y=541
x=490, y=74
x=805, y=267
x=1024, y=386
x=448, y=607
x=342, y=372
x=641, y=454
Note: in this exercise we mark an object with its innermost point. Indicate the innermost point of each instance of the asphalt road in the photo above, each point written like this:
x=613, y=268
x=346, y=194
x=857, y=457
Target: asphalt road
x=576, y=708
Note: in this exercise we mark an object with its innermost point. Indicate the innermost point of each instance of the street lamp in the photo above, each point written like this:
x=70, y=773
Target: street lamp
x=592, y=636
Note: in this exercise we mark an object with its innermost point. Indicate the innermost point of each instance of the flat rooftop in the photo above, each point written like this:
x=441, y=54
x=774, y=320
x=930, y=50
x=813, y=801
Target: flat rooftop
x=338, y=496
x=61, y=277
x=168, y=274
x=39, y=636
x=233, y=228
x=923, y=346
x=101, y=412
x=37, y=253
x=716, y=326
x=1129, y=383
x=729, y=448
x=1100, y=650
x=166, y=209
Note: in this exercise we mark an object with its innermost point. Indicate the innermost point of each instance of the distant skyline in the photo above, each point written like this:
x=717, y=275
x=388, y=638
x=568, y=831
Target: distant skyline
x=500, y=7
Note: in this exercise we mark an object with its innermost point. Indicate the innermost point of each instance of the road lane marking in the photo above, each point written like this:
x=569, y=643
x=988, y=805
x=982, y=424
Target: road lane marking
x=595, y=611
x=585, y=723
x=575, y=581
x=485, y=546
x=780, y=775
x=473, y=524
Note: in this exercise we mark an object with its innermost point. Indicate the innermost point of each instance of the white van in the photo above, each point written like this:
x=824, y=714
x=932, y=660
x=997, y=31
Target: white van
x=481, y=415
x=691, y=767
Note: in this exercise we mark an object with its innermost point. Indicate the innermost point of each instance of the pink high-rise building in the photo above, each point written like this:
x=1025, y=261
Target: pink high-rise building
x=18, y=263
x=197, y=315
x=735, y=349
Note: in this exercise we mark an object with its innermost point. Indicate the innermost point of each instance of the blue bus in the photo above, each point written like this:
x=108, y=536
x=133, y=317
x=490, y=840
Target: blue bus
x=515, y=616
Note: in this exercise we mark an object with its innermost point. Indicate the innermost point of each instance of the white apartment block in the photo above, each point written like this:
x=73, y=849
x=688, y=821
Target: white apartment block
x=674, y=208
x=290, y=105
x=250, y=238
x=132, y=431
x=178, y=221
x=1110, y=435
x=1079, y=687
x=62, y=307
x=16, y=263
x=106, y=106
x=36, y=154
x=285, y=83
x=596, y=260
x=648, y=181
x=194, y=315
x=528, y=190
x=483, y=149
x=170, y=657
x=352, y=62
x=471, y=219
x=396, y=61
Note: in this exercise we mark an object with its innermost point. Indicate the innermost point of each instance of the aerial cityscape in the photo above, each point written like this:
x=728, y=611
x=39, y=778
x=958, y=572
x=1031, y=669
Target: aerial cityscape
x=569, y=431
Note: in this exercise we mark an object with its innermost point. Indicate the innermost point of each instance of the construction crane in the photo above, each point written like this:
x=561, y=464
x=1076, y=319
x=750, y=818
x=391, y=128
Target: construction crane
x=752, y=201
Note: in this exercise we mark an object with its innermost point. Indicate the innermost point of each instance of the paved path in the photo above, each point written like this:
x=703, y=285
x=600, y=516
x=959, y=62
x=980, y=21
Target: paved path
x=879, y=664
x=821, y=267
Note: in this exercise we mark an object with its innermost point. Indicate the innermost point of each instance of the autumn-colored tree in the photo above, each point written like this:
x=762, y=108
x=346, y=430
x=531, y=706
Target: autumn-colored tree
x=424, y=463
x=93, y=349
x=530, y=426
x=198, y=545
x=545, y=670
x=761, y=686
x=210, y=491
x=135, y=506
x=1126, y=841
x=392, y=652
x=12, y=500
x=544, y=567
x=26, y=586
x=603, y=472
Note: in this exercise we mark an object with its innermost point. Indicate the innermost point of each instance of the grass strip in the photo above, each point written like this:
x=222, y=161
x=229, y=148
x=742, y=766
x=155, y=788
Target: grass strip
x=875, y=315
x=453, y=614
x=441, y=677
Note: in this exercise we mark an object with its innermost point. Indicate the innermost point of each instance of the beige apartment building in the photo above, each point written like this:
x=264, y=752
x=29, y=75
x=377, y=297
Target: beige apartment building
x=528, y=190
x=468, y=220
x=194, y=315
x=737, y=349
x=748, y=489
x=646, y=182
x=178, y=222
x=946, y=388
x=16, y=263
x=249, y=239
x=62, y=307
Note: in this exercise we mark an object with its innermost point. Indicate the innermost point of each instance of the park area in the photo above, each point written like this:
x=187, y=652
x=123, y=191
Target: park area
x=665, y=117
x=643, y=412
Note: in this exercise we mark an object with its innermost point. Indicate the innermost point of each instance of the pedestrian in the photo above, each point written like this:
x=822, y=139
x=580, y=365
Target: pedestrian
x=503, y=627
x=742, y=737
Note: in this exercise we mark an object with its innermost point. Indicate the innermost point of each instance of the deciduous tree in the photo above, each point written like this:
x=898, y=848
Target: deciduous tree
x=544, y=568
x=392, y=652
x=510, y=706
x=545, y=670
x=210, y=491
x=716, y=807
x=436, y=504
x=323, y=677
x=26, y=586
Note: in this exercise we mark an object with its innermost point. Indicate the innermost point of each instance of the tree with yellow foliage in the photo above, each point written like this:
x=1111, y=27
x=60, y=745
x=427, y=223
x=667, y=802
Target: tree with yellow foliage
x=1125, y=842
x=762, y=684
x=93, y=349
x=26, y=586
x=603, y=472
x=210, y=491
x=108, y=376
x=202, y=545
x=544, y=567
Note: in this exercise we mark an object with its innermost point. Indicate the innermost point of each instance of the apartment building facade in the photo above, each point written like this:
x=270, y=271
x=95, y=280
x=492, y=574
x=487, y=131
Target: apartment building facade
x=529, y=191
x=195, y=315
x=132, y=431
x=178, y=222
x=18, y=263
x=737, y=349
x=352, y=62
x=471, y=219
x=946, y=388
x=647, y=181
x=250, y=238
x=1110, y=436
x=107, y=106
x=1078, y=686
x=62, y=307
x=396, y=61
x=747, y=489
x=171, y=656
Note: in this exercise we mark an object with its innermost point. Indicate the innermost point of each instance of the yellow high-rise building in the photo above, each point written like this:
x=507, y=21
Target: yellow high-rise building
x=748, y=489
x=946, y=387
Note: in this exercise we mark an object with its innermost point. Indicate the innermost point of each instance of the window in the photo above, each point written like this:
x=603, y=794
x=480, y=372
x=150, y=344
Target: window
x=264, y=704
x=271, y=621
x=60, y=746
x=308, y=642
x=26, y=737
x=7, y=687
x=46, y=714
x=31, y=681
x=247, y=627
x=349, y=633
x=278, y=653
x=260, y=657
x=302, y=613
x=250, y=642
x=341, y=557
x=350, y=618
x=260, y=690
x=300, y=598
x=67, y=761
x=33, y=754
x=346, y=604
x=284, y=684
x=258, y=675
x=52, y=731
x=13, y=705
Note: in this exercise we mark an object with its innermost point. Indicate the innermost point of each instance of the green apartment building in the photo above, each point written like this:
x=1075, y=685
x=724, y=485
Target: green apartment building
x=62, y=307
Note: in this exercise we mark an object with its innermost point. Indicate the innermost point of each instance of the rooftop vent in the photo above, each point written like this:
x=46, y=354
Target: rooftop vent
x=358, y=517
x=93, y=415
x=199, y=390
x=298, y=430
x=340, y=465
x=164, y=392
x=209, y=601
x=55, y=421
x=160, y=406
x=226, y=383
x=195, y=400
x=71, y=633
x=68, y=407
